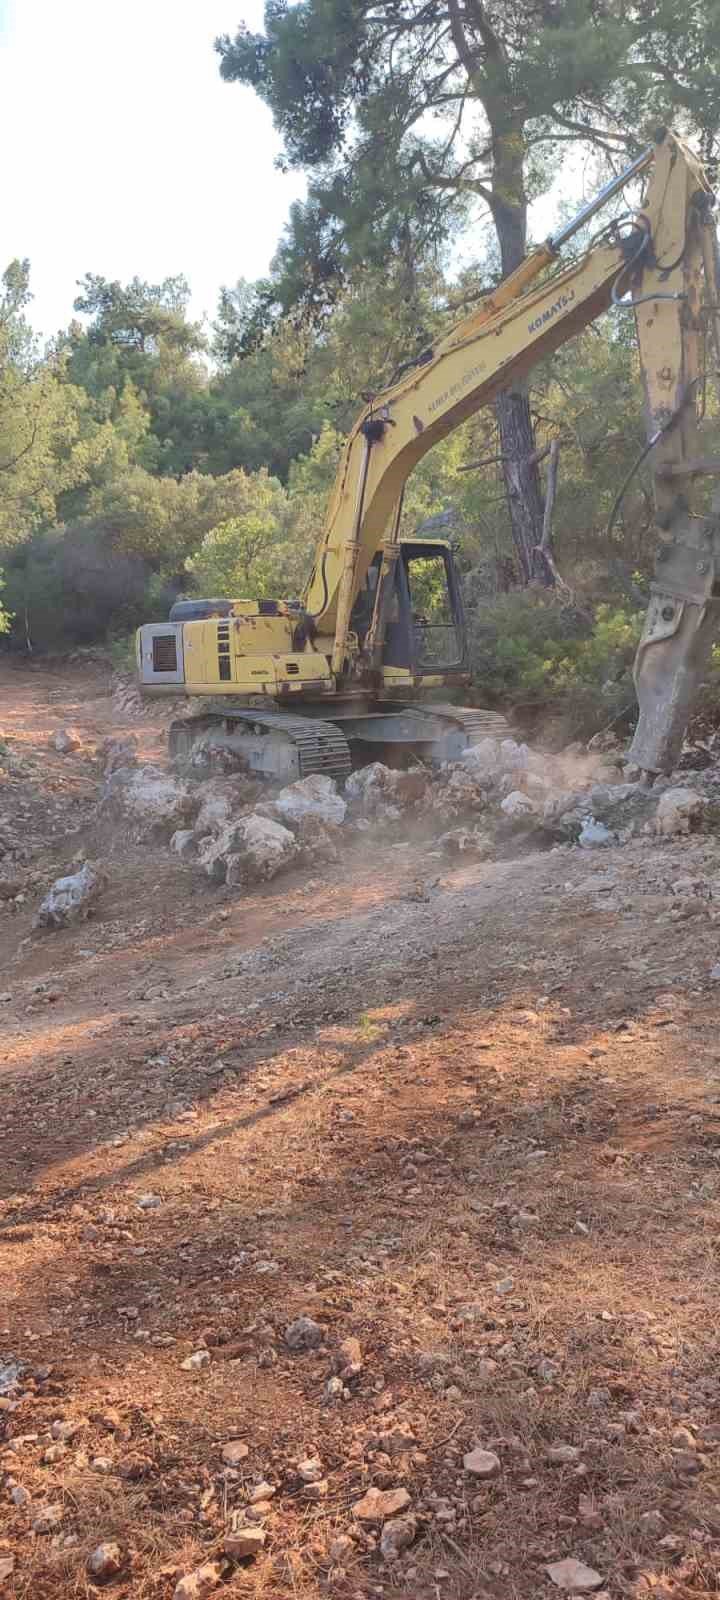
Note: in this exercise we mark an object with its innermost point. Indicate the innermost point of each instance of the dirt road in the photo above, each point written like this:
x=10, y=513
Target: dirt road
x=468, y=1117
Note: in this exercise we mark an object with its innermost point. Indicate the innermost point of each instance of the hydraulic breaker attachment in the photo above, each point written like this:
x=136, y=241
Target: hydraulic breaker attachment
x=682, y=623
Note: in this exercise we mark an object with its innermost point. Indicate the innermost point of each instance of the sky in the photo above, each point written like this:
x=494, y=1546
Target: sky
x=125, y=153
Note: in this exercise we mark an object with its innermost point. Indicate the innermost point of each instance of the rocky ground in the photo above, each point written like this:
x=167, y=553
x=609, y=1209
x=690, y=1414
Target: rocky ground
x=360, y=1194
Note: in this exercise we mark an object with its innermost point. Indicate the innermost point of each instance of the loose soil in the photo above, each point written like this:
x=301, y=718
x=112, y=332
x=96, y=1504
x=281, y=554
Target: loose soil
x=468, y=1115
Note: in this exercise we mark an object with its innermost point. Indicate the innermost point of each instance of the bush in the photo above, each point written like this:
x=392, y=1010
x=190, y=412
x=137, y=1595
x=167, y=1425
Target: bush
x=69, y=587
x=553, y=663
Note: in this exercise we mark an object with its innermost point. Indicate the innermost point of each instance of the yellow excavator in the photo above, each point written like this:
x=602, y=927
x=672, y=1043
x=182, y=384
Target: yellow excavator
x=357, y=668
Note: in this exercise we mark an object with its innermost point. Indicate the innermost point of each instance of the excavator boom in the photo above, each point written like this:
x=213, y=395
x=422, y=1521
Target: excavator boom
x=661, y=262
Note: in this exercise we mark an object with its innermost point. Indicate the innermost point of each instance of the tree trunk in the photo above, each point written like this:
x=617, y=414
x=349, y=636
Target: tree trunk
x=512, y=409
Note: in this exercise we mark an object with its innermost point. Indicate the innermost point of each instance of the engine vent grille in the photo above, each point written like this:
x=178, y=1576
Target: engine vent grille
x=223, y=639
x=164, y=652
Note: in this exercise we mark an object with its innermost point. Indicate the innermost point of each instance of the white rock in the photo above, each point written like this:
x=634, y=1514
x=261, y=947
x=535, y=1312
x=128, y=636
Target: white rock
x=148, y=797
x=397, y=1535
x=234, y=1452
x=65, y=1430
x=318, y=1490
x=71, y=899
x=310, y=1470
x=482, y=1463
x=677, y=810
x=182, y=842
x=513, y=757
x=65, y=740
x=594, y=835
x=262, y=1491
x=54, y=1453
x=369, y=784
x=482, y=759
x=517, y=805
x=198, y=1359
x=105, y=1561
x=220, y=801
x=315, y=796
x=251, y=850
x=240, y=1541
x=378, y=1505
x=574, y=1575
x=199, y=1584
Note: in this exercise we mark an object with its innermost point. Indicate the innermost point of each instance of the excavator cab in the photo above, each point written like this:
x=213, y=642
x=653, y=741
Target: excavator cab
x=425, y=630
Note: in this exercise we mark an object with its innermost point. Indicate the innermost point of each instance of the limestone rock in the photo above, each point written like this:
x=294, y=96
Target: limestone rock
x=347, y=1359
x=519, y=807
x=574, y=1575
x=397, y=1535
x=66, y=740
x=198, y=1359
x=513, y=757
x=482, y=1463
x=182, y=842
x=241, y=1541
x=72, y=898
x=234, y=1452
x=315, y=796
x=483, y=759
x=678, y=810
x=220, y=800
x=199, y=1584
x=378, y=1505
x=251, y=850
x=152, y=801
x=105, y=1561
x=595, y=836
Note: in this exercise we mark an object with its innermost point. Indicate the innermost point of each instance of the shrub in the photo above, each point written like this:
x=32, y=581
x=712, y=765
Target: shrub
x=552, y=662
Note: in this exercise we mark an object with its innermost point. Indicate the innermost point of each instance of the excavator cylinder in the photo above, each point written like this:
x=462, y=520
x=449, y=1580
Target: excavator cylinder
x=557, y=240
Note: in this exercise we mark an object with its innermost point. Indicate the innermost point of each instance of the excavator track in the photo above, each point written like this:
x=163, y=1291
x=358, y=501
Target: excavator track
x=321, y=747
x=475, y=723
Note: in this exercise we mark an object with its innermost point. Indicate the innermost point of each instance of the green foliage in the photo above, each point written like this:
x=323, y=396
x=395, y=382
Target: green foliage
x=266, y=547
x=67, y=586
x=246, y=554
x=541, y=656
x=6, y=617
x=407, y=122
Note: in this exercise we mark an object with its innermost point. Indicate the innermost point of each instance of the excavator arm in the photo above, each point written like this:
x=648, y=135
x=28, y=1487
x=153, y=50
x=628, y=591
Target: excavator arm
x=665, y=259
